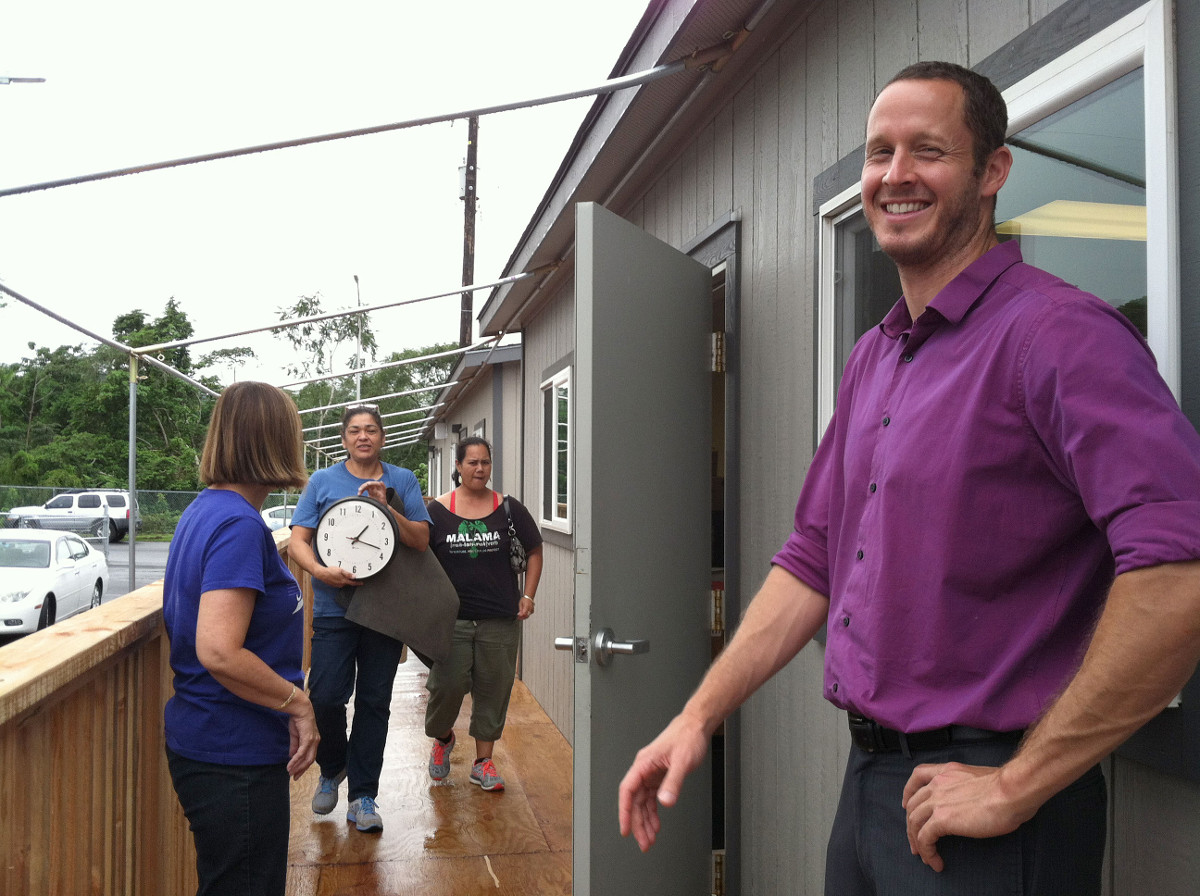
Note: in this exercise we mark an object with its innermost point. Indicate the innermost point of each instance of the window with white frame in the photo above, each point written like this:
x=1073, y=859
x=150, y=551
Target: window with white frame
x=556, y=451
x=1092, y=196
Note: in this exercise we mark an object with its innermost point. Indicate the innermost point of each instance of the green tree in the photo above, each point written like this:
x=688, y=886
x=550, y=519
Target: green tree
x=170, y=411
x=317, y=345
x=396, y=410
x=405, y=408
x=227, y=357
x=64, y=412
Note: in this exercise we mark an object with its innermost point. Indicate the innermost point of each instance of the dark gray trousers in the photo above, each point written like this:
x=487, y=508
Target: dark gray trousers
x=1058, y=852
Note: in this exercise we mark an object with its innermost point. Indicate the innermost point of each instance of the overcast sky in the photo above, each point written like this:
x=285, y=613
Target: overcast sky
x=130, y=82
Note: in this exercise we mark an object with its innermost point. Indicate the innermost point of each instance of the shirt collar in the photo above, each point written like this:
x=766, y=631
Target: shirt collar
x=960, y=294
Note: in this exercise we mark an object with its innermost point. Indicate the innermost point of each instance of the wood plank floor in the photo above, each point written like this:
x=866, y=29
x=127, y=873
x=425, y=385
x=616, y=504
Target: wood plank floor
x=446, y=838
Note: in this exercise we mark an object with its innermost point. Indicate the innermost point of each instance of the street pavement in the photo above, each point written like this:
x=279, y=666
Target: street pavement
x=150, y=562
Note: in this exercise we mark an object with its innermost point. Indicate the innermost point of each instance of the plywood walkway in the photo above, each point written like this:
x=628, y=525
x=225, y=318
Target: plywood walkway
x=445, y=838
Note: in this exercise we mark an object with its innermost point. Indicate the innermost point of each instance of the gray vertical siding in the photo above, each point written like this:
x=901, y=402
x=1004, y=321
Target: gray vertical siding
x=546, y=672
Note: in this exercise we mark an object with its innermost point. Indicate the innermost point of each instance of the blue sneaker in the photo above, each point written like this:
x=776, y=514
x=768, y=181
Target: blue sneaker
x=364, y=815
x=325, y=799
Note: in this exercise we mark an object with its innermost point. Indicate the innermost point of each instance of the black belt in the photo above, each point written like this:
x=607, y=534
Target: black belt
x=870, y=736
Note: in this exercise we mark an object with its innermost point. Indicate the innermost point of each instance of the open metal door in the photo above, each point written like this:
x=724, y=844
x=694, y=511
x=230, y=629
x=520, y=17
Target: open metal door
x=642, y=518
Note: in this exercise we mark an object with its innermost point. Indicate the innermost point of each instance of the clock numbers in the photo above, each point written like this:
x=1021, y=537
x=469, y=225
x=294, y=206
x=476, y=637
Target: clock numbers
x=364, y=545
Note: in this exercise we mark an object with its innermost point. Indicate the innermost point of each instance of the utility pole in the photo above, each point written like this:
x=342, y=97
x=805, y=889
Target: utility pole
x=469, y=183
x=358, y=350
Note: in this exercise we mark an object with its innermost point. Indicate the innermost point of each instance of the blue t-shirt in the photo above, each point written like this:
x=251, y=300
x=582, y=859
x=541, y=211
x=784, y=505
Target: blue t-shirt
x=336, y=482
x=222, y=542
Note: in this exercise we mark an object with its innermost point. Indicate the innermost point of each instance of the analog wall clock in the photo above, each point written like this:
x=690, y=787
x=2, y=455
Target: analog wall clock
x=358, y=534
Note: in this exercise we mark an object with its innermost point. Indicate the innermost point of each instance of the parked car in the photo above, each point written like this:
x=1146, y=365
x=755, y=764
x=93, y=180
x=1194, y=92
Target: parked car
x=47, y=575
x=80, y=510
x=278, y=517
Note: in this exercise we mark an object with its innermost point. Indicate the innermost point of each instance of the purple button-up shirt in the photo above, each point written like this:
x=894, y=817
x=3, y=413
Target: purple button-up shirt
x=987, y=471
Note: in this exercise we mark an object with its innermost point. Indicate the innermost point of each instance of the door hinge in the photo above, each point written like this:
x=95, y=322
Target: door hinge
x=718, y=352
x=718, y=873
x=718, y=611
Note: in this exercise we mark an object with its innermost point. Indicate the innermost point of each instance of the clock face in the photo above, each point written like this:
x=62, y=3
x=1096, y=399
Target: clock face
x=357, y=534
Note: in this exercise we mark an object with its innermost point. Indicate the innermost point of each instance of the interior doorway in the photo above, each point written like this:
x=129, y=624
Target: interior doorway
x=717, y=633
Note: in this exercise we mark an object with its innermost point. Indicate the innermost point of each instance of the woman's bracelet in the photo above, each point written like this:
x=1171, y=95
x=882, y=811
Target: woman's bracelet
x=291, y=697
x=529, y=598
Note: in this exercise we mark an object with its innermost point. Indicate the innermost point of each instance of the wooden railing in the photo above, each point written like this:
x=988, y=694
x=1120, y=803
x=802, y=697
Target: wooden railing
x=86, y=802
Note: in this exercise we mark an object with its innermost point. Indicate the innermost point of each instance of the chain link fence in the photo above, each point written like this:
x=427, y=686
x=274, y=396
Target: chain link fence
x=159, y=510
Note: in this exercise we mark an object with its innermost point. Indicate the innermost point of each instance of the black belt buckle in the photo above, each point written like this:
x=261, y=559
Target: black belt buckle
x=866, y=733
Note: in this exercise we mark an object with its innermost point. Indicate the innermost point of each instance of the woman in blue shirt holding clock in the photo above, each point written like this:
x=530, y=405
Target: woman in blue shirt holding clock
x=348, y=657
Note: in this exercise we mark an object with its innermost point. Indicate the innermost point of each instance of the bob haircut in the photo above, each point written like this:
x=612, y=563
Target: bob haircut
x=254, y=438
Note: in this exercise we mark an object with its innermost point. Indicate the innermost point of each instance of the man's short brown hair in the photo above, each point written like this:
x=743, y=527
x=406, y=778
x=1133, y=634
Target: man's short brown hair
x=985, y=110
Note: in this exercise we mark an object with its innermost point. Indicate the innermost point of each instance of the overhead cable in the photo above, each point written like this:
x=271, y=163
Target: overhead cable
x=111, y=343
x=694, y=60
x=365, y=309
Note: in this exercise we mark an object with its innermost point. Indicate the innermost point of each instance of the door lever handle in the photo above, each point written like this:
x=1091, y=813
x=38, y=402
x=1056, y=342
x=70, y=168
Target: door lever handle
x=603, y=646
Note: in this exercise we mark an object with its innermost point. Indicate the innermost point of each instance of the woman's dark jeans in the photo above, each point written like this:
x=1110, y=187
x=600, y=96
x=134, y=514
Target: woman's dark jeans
x=348, y=658
x=239, y=816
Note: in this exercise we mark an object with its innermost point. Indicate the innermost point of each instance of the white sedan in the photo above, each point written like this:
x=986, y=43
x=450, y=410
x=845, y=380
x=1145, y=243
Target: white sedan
x=45, y=576
x=278, y=517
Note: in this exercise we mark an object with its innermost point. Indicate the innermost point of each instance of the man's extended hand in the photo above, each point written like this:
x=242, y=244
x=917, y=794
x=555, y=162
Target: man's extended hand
x=957, y=799
x=656, y=776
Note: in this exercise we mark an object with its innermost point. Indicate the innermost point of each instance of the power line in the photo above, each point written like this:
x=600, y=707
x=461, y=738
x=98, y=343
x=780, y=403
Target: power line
x=611, y=86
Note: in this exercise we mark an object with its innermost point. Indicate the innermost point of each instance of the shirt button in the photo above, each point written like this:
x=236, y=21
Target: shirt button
x=860, y=555
x=887, y=420
x=908, y=359
x=873, y=487
x=835, y=687
x=846, y=621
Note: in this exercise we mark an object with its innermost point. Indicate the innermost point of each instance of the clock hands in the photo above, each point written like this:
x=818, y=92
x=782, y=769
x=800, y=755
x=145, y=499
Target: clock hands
x=357, y=539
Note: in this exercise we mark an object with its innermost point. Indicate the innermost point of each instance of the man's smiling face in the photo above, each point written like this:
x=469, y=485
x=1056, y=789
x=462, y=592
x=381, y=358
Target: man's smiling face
x=922, y=196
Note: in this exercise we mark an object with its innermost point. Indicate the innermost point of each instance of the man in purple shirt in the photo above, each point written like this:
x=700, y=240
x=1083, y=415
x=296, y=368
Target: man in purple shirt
x=1005, y=467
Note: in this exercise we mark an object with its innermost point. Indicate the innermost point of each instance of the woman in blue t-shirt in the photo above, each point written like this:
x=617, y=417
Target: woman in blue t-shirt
x=471, y=540
x=239, y=723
